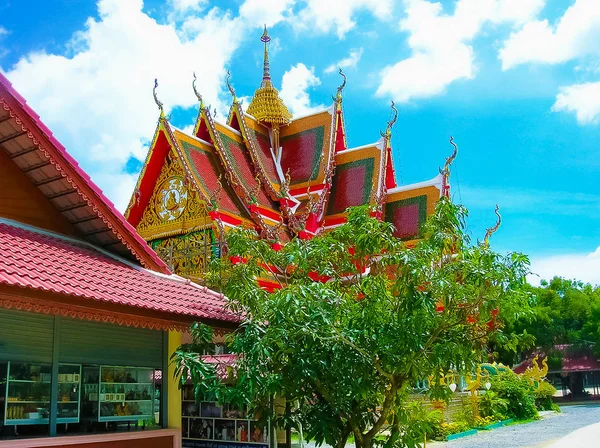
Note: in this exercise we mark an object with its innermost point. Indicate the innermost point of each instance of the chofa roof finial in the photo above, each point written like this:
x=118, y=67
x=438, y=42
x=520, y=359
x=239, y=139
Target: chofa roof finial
x=489, y=232
x=388, y=130
x=338, y=95
x=446, y=170
x=229, y=86
x=156, y=100
x=196, y=92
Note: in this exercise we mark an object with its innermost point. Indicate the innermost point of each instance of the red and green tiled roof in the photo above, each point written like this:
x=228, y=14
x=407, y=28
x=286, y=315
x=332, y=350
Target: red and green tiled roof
x=259, y=136
x=238, y=155
x=306, y=149
x=204, y=162
x=352, y=185
x=357, y=176
x=407, y=207
x=408, y=216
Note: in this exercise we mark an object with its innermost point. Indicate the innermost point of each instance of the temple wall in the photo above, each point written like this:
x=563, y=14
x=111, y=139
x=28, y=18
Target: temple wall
x=21, y=201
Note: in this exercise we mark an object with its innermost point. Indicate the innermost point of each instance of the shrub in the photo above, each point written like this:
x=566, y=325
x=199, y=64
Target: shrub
x=517, y=392
x=481, y=422
x=543, y=396
x=491, y=405
x=454, y=428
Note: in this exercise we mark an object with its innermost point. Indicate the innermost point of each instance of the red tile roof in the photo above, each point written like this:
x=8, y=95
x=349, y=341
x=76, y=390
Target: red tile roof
x=128, y=242
x=37, y=259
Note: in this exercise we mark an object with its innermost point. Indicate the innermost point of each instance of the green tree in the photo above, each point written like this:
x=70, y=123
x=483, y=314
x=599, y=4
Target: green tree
x=359, y=318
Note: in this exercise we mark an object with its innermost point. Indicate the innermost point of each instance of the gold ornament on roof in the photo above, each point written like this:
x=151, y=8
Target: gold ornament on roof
x=196, y=92
x=266, y=105
x=156, y=100
x=230, y=87
x=338, y=95
x=489, y=232
x=391, y=122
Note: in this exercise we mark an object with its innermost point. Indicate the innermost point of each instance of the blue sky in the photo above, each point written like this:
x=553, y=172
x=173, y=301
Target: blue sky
x=516, y=82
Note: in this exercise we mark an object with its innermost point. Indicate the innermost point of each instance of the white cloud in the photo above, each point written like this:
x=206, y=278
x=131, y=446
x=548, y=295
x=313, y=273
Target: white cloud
x=585, y=267
x=294, y=89
x=338, y=15
x=582, y=99
x=441, y=43
x=187, y=5
x=267, y=12
x=99, y=101
x=347, y=62
x=576, y=34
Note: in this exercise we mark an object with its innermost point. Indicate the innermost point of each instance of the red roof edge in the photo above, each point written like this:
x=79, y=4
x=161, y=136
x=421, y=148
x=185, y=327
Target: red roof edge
x=82, y=182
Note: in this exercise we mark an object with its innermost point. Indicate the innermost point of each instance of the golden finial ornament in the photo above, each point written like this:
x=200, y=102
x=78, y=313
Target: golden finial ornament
x=230, y=87
x=196, y=92
x=489, y=232
x=338, y=95
x=391, y=122
x=156, y=100
x=446, y=170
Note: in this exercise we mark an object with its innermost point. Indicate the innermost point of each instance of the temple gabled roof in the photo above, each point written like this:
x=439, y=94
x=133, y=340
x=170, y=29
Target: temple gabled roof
x=294, y=176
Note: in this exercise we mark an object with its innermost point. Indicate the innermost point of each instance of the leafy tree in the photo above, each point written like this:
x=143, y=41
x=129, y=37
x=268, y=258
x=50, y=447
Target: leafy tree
x=358, y=319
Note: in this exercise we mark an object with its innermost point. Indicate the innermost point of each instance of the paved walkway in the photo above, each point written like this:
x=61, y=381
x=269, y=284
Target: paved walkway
x=577, y=424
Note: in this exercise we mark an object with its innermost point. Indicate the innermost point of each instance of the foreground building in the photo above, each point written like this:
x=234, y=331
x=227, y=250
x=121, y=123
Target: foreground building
x=89, y=315
x=284, y=176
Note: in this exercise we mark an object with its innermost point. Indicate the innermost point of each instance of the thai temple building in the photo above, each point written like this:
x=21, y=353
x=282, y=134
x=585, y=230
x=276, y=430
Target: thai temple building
x=263, y=168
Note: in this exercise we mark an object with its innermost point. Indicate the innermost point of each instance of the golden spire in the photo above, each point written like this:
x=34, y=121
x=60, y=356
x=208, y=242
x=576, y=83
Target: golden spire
x=265, y=38
x=266, y=105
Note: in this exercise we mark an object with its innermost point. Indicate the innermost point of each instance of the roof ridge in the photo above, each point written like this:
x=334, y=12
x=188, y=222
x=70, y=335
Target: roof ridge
x=377, y=144
x=329, y=109
x=193, y=137
x=433, y=182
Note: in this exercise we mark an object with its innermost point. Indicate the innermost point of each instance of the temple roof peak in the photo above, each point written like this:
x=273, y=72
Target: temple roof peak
x=266, y=105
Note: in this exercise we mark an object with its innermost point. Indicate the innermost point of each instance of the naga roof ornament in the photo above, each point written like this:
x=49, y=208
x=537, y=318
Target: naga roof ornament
x=388, y=130
x=156, y=100
x=266, y=105
x=338, y=95
x=445, y=172
x=230, y=87
x=196, y=92
x=489, y=232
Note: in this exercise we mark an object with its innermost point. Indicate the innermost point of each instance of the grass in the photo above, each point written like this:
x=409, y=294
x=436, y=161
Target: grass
x=522, y=422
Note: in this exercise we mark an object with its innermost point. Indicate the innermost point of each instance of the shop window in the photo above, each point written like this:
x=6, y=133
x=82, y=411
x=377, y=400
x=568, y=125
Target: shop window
x=90, y=398
x=25, y=391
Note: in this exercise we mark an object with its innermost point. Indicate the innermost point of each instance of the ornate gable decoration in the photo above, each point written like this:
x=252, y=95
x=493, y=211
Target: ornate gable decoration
x=175, y=208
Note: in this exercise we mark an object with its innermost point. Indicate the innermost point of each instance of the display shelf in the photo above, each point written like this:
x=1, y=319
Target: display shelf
x=30, y=381
x=28, y=390
x=27, y=401
x=125, y=394
x=27, y=421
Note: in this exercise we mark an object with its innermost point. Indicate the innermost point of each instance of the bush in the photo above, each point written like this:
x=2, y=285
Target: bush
x=491, y=405
x=543, y=396
x=481, y=422
x=518, y=393
x=454, y=428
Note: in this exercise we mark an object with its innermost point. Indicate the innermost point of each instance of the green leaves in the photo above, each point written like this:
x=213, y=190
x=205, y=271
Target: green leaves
x=359, y=318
